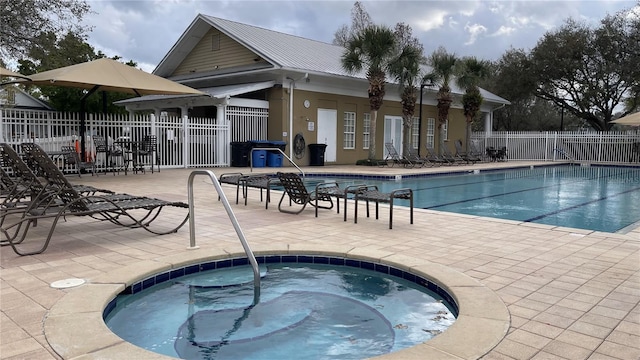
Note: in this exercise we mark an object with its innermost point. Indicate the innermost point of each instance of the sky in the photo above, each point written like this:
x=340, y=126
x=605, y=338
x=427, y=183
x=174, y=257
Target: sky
x=145, y=30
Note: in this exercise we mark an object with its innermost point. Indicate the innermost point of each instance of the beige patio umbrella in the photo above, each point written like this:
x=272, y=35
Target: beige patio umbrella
x=631, y=119
x=111, y=75
x=5, y=73
x=108, y=75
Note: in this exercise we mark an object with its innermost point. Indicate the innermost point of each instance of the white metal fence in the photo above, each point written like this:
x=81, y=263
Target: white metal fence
x=203, y=142
x=585, y=147
x=182, y=141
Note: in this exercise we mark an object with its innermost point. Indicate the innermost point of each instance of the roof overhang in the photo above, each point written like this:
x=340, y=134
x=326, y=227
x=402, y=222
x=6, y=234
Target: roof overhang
x=216, y=95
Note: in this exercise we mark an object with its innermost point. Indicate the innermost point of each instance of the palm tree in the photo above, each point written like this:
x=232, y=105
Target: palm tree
x=372, y=48
x=471, y=72
x=406, y=70
x=442, y=70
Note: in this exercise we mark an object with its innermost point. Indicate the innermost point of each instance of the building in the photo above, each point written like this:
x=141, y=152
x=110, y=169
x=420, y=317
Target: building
x=298, y=84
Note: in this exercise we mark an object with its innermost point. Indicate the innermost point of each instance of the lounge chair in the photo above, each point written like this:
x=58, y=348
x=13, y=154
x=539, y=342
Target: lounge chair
x=474, y=150
x=395, y=157
x=63, y=201
x=296, y=191
x=27, y=191
x=451, y=158
x=28, y=172
x=467, y=157
x=414, y=157
x=371, y=193
x=11, y=188
x=435, y=158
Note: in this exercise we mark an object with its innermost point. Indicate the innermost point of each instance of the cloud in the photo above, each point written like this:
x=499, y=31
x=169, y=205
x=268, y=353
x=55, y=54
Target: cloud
x=474, y=30
x=504, y=30
x=435, y=20
x=145, y=30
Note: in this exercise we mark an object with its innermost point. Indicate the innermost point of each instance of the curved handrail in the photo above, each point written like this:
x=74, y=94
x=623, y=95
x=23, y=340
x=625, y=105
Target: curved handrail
x=234, y=221
x=274, y=149
x=563, y=152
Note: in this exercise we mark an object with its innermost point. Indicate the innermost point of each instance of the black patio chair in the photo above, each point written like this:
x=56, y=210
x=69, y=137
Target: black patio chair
x=71, y=157
x=148, y=149
x=295, y=189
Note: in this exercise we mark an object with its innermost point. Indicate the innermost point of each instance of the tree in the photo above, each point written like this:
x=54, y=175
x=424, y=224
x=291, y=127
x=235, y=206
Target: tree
x=511, y=78
x=25, y=21
x=442, y=69
x=406, y=70
x=590, y=72
x=372, y=49
x=360, y=20
x=471, y=72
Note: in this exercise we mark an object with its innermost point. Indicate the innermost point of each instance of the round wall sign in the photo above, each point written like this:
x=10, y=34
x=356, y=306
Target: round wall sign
x=307, y=103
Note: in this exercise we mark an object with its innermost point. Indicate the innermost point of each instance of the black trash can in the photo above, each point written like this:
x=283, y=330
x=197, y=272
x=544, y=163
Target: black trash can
x=240, y=153
x=316, y=154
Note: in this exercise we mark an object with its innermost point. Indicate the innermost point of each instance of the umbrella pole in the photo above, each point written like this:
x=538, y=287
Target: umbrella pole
x=83, y=120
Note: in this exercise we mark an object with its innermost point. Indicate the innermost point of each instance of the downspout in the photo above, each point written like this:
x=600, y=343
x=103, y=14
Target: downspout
x=291, y=85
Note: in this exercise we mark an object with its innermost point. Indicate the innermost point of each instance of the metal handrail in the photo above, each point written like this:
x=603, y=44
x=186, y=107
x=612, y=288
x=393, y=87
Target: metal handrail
x=274, y=149
x=564, y=153
x=234, y=221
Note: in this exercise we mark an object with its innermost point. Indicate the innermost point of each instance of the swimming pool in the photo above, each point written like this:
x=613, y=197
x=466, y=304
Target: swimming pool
x=310, y=309
x=598, y=198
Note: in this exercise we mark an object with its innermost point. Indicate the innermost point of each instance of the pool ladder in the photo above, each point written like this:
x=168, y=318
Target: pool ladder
x=234, y=221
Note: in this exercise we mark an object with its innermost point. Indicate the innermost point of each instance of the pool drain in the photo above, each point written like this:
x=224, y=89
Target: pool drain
x=67, y=283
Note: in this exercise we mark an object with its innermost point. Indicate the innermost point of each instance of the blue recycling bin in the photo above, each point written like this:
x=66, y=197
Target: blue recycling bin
x=259, y=158
x=274, y=159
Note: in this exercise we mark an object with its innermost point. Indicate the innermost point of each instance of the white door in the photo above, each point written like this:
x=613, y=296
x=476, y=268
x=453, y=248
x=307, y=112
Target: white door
x=393, y=133
x=327, y=132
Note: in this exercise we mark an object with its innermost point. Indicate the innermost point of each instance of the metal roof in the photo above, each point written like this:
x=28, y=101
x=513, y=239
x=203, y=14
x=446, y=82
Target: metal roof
x=284, y=51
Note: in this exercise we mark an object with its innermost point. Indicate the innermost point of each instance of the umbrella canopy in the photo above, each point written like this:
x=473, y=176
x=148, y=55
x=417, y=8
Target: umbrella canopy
x=110, y=75
x=5, y=73
x=107, y=75
x=631, y=119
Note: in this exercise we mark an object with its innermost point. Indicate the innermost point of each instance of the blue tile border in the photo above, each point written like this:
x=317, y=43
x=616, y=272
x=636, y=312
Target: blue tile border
x=301, y=259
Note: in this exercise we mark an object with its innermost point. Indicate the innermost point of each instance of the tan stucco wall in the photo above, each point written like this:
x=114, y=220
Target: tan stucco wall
x=279, y=121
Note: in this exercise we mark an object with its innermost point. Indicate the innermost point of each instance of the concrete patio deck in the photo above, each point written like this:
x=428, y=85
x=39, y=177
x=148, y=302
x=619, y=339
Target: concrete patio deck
x=570, y=293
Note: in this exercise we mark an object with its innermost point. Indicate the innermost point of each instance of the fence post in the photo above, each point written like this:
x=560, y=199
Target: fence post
x=555, y=145
x=186, y=141
x=152, y=124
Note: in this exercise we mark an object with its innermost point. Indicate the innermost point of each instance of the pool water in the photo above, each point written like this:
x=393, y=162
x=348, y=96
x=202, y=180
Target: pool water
x=306, y=311
x=587, y=197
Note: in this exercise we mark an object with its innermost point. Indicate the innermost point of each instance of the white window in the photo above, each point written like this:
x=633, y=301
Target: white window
x=445, y=130
x=349, y=130
x=366, y=130
x=415, y=132
x=431, y=130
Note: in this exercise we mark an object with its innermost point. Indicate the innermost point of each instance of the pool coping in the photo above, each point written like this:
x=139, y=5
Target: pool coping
x=75, y=329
